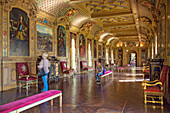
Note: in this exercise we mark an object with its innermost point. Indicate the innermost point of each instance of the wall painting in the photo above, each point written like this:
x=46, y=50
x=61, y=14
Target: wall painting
x=95, y=50
x=109, y=52
x=168, y=46
x=103, y=51
x=82, y=46
x=61, y=41
x=44, y=38
x=99, y=50
x=19, y=32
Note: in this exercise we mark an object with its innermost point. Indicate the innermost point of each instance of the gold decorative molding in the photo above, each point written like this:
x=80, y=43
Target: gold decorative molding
x=63, y=21
x=29, y=5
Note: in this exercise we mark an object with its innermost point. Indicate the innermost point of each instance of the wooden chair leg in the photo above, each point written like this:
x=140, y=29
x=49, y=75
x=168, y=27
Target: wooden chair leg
x=26, y=86
x=51, y=103
x=60, y=99
x=162, y=100
x=145, y=97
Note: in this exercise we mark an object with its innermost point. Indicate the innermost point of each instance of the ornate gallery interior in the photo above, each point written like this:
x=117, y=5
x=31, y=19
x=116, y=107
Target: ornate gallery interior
x=129, y=37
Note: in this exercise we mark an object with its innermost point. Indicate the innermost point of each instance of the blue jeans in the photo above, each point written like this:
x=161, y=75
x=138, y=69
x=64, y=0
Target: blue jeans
x=45, y=82
x=98, y=76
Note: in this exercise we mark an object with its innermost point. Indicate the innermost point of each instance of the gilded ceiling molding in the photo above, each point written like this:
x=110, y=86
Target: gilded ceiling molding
x=148, y=4
x=86, y=28
x=146, y=20
x=99, y=32
x=46, y=18
x=63, y=21
x=145, y=29
x=29, y=5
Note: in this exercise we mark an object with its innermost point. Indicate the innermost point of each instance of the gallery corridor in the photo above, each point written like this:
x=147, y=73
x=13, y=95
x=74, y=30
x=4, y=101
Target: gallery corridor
x=118, y=93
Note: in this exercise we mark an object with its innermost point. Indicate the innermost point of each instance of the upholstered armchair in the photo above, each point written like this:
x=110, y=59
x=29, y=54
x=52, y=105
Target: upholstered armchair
x=65, y=70
x=25, y=77
x=83, y=65
x=154, y=90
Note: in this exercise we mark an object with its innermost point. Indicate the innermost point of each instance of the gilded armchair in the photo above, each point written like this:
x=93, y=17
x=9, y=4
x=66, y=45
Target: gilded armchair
x=24, y=76
x=154, y=90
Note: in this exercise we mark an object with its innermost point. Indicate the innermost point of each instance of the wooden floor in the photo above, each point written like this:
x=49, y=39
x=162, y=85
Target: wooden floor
x=120, y=93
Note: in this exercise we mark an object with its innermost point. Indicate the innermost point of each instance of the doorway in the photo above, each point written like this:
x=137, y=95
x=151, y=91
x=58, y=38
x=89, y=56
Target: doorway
x=132, y=60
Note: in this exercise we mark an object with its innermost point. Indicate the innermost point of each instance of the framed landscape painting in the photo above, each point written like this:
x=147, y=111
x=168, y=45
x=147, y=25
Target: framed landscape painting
x=44, y=38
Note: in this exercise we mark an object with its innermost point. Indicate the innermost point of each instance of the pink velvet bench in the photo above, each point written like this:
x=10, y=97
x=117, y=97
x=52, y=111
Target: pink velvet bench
x=106, y=73
x=29, y=102
x=120, y=68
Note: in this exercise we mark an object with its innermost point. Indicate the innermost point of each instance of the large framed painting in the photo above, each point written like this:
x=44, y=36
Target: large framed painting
x=44, y=38
x=19, y=33
x=61, y=41
x=99, y=50
x=95, y=49
x=109, y=52
x=82, y=46
x=163, y=28
x=168, y=46
x=103, y=51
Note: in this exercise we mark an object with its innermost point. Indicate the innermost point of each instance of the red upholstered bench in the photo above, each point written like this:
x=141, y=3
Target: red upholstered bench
x=120, y=68
x=29, y=102
x=106, y=73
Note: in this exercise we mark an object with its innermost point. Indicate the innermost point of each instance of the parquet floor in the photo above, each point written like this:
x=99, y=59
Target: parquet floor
x=120, y=93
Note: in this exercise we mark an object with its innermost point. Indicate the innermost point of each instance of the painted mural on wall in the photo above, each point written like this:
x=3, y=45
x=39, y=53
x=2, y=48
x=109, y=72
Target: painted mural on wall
x=99, y=50
x=103, y=51
x=19, y=32
x=82, y=46
x=95, y=49
x=61, y=41
x=109, y=52
x=44, y=39
x=168, y=29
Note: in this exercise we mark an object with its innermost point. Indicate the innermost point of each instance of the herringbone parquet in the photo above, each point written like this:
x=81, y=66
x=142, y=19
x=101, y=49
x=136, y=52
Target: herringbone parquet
x=120, y=93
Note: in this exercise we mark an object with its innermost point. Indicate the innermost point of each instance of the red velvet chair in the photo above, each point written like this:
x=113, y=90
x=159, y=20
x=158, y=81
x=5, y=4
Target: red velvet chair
x=154, y=90
x=24, y=76
x=65, y=70
x=83, y=65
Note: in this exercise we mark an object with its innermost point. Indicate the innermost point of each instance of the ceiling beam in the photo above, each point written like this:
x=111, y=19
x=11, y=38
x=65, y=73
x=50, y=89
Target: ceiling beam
x=123, y=31
x=128, y=37
x=130, y=40
x=119, y=25
x=96, y=16
x=77, y=1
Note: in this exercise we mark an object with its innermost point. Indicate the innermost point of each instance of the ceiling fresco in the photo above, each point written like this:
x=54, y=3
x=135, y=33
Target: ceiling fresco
x=52, y=7
x=115, y=18
x=107, y=5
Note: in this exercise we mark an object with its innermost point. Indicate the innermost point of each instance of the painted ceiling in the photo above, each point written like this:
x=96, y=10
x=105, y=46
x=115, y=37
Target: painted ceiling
x=112, y=18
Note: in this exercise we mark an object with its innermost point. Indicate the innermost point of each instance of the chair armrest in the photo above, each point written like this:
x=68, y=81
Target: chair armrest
x=150, y=82
x=24, y=75
x=34, y=75
x=71, y=69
